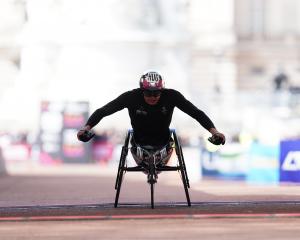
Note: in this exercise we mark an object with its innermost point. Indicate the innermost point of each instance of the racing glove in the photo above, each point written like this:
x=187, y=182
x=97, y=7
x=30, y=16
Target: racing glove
x=216, y=139
x=86, y=136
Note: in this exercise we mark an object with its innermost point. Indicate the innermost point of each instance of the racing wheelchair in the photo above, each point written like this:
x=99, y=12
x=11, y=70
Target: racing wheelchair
x=152, y=161
x=151, y=164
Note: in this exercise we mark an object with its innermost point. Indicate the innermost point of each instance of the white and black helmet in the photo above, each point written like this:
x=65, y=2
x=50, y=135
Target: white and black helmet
x=151, y=80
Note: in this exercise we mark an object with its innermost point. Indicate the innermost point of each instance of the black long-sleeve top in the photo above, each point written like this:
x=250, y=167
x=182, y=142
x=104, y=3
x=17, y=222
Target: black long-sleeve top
x=151, y=123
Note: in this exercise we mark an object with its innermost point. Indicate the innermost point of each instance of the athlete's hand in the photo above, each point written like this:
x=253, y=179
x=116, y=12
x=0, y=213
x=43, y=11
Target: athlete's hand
x=217, y=138
x=85, y=134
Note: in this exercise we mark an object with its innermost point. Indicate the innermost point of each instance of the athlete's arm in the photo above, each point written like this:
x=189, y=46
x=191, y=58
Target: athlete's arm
x=186, y=106
x=114, y=106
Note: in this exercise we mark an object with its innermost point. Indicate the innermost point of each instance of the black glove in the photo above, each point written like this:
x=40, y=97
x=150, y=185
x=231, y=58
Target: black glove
x=216, y=139
x=86, y=136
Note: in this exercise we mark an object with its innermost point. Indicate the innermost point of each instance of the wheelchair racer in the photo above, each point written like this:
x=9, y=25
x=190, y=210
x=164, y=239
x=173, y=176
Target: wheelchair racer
x=150, y=110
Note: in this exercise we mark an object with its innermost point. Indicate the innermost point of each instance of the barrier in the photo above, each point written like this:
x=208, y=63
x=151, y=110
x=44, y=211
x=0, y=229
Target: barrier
x=263, y=164
x=290, y=161
x=2, y=164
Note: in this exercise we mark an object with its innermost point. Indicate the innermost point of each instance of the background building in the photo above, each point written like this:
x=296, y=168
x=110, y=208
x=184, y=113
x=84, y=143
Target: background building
x=223, y=55
x=267, y=42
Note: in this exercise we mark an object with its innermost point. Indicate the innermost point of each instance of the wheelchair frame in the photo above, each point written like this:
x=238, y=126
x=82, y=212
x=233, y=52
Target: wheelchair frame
x=152, y=169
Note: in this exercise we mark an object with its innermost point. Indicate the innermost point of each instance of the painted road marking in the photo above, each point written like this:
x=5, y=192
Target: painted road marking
x=106, y=211
x=159, y=204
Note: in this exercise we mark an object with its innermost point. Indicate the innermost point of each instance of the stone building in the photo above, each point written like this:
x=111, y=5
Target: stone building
x=268, y=34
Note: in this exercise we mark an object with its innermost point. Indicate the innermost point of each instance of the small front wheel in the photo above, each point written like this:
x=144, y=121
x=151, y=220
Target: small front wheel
x=152, y=179
x=152, y=194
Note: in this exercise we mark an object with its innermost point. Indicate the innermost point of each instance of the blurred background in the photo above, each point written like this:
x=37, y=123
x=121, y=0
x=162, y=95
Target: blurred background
x=237, y=60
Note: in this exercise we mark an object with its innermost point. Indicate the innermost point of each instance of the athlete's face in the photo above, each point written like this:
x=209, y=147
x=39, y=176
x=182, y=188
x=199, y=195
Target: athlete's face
x=152, y=97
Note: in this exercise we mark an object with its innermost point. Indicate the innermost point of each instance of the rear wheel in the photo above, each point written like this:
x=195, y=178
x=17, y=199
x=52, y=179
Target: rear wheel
x=119, y=183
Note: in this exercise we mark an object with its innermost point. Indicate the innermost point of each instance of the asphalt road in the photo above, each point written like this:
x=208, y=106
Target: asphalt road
x=68, y=205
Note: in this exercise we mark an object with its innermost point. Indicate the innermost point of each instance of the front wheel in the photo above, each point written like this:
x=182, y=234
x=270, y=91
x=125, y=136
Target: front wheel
x=152, y=194
x=152, y=178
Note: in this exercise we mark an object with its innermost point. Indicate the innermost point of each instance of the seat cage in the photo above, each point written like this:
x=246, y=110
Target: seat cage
x=148, y=153
x=151, y=164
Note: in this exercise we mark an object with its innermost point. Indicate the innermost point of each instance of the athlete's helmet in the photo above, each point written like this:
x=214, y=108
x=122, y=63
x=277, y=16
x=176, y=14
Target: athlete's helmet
x=151, y=80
